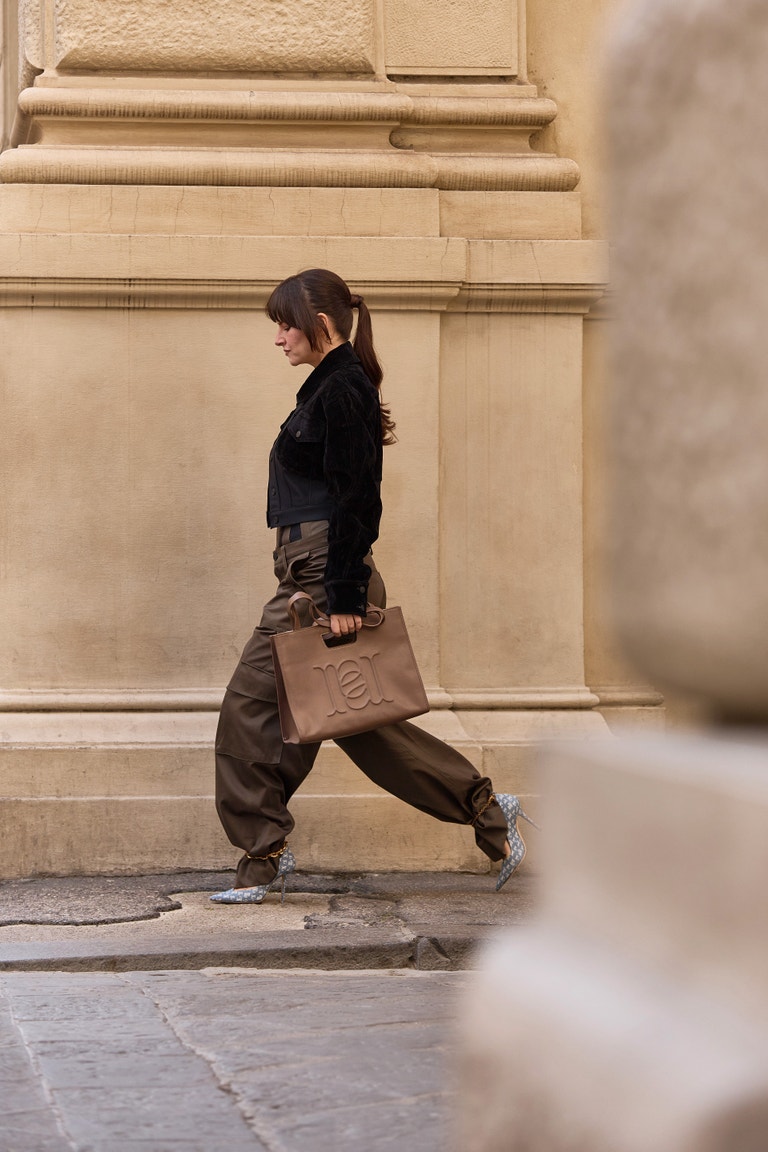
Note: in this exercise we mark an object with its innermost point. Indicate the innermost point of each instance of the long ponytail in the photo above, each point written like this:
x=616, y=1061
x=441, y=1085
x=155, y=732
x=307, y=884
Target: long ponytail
x=297, y=302
x=366, y=354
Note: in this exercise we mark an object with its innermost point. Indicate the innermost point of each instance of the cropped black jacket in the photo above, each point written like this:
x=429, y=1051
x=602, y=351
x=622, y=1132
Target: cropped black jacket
x=333, y=440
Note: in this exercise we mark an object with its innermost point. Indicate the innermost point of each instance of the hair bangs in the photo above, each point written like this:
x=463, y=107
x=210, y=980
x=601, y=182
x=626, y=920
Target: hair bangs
x=289, y=305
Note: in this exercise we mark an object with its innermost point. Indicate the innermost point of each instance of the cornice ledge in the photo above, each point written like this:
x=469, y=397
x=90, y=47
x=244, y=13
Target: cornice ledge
x=604, y=309
x=492, y=699
x=246, y=167
x=267, y=105
x=574, y=298
x=627, y=696
x=488, y=172
x=191, y=104
x=103, y=292
x=414, y=296
x=209, y=700
x=252, y=167
x=127, y=700
x=124, y=271
x=533, y=113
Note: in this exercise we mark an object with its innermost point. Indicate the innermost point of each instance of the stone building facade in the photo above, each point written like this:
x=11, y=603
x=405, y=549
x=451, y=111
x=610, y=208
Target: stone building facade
x=164, y=165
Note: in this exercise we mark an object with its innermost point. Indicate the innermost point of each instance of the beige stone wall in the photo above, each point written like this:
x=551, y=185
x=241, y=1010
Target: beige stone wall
x=163, y=177
x=565, y=52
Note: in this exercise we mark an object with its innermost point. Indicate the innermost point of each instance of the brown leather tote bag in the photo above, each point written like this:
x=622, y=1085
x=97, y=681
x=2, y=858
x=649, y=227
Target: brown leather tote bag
x=327, y=687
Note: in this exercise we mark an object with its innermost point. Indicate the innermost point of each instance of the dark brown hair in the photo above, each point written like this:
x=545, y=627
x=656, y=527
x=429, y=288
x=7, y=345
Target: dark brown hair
x=297, y=302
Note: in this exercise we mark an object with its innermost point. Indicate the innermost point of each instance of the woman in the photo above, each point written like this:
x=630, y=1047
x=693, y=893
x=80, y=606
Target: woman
x=323, y=500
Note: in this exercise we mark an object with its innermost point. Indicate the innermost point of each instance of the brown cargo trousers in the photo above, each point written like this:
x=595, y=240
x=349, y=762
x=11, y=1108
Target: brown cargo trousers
x=257, y=774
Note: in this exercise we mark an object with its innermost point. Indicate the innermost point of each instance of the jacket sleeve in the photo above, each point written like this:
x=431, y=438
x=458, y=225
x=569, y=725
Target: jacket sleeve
x=352, y=467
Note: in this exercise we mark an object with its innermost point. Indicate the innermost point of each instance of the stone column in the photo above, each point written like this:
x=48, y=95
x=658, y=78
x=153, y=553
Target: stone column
x=633, y=1017
x=167, y=168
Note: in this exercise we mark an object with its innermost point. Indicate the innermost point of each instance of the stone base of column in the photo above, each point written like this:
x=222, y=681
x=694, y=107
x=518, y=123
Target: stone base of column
x=633, y=1018
x=126, y=792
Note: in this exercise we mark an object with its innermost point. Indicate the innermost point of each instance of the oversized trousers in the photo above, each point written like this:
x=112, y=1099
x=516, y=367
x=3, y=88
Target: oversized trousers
x=257, y=774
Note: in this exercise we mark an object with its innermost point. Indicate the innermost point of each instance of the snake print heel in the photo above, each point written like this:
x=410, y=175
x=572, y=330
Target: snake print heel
x=510, y=806
x=256, y=894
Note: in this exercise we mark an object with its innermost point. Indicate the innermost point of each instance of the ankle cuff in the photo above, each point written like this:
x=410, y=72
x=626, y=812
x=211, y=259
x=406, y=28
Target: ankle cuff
x=484, y=809
x=269, y=855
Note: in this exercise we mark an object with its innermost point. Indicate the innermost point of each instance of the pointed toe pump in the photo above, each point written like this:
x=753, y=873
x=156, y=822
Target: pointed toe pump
x=510, y=806
x=256, y=894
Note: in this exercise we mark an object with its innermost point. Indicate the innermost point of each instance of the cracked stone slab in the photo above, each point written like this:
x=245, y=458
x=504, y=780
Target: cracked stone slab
x=350, y=911
x=27, y=1123
x=193, y=915
x=104, y=1024
x=98, y=899
x=336, y=1062
x=226, y=1060
x=122, y=899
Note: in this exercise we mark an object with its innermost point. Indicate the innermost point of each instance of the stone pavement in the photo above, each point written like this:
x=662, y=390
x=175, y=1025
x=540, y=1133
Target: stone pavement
x=135, y=1014
x=429, y=921
x=226, y=1060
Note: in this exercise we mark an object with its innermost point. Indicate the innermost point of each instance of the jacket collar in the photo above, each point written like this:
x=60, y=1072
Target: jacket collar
x=339, y=357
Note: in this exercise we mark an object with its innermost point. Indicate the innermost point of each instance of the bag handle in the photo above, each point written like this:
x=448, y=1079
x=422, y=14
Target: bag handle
x=373, y=619
x=292, y=608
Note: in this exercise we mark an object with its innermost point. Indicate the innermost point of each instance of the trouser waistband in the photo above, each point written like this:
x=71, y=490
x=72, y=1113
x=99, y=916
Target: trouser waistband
x=290, y=533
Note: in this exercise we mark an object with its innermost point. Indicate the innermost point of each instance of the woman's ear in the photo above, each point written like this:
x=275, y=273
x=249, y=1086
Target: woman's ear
x=329, y=328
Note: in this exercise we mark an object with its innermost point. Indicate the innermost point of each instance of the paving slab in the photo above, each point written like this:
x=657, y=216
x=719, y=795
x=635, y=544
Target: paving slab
x=228, y=1060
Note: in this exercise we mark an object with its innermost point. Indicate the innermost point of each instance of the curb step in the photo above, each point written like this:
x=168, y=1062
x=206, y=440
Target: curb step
x=352, y=950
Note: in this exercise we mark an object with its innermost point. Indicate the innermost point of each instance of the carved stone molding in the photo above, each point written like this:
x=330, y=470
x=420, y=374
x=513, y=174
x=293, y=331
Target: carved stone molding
x=627, y=696
x=102, y=271
x=576, y=298
x=209, y=699
x=128, y=700
x=568, y=696
x=252, y=167
x=100, y=292
x=296, y=138
x=46, y=105
x=63, y=292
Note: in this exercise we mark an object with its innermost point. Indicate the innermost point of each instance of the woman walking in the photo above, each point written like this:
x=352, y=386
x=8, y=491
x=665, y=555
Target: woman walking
x=324, y=503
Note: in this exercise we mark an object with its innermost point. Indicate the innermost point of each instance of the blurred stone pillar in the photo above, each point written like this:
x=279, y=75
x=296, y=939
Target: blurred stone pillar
x=634, y=1017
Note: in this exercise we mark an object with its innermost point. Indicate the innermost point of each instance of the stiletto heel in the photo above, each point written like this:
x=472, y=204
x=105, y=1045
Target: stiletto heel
x=510, y=806
x=256, y=894
x=528, y=820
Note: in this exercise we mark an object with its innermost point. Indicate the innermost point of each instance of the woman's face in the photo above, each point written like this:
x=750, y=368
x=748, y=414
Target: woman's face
x=296, y=348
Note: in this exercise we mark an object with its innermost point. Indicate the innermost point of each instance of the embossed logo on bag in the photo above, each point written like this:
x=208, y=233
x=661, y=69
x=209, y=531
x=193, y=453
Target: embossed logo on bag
x=353, y=683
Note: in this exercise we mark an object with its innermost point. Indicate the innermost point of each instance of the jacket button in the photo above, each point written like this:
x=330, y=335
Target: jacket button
x=298, y=433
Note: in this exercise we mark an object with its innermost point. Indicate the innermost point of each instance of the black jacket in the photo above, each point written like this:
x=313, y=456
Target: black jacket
x=332, y=440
